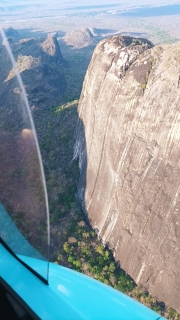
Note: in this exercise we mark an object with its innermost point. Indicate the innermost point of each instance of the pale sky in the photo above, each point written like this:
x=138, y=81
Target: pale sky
x=72, y=3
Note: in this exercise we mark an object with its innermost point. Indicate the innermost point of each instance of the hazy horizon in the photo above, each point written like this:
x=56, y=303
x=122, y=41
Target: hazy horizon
x=149, y=18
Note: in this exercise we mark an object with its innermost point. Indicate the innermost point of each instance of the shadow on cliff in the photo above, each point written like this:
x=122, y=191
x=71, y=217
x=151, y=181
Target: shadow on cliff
x=80, y=152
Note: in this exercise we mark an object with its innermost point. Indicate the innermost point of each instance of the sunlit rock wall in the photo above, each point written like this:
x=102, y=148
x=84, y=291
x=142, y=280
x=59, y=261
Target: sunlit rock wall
x=128, y=143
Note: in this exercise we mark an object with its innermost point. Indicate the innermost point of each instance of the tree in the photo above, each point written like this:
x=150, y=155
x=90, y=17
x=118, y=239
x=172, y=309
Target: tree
x=77, y=264
x=106, y=255
x=66, y=247
x=70, y=259
x=112, y=267
x=100, y=249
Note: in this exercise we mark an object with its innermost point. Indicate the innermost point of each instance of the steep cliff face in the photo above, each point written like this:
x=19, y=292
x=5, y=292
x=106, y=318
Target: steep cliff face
x=128, y=143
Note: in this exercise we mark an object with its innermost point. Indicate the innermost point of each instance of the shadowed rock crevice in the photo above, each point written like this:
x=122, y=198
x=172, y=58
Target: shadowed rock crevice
x=128, y=144
x=81, y=153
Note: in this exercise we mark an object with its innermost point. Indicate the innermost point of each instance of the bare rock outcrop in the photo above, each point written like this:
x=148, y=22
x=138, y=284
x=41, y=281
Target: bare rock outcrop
x=128, y=143
x=79, y=38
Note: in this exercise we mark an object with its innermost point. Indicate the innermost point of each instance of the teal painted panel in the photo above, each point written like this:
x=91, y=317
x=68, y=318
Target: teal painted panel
x=70, y=295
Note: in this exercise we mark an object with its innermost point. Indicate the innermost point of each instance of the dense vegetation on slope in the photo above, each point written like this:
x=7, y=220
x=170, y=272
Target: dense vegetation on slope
x=73, y=243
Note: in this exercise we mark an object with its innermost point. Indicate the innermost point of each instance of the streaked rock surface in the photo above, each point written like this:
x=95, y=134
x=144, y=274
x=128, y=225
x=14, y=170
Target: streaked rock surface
x=128, y=143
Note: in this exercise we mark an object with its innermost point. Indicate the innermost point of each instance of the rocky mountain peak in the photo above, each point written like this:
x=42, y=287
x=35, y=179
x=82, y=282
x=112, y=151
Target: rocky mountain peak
x=79, y=38
x=51, y=47
x=123, y=51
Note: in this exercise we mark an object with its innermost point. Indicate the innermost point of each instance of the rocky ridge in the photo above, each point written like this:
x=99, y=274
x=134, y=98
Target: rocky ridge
x=128, y=144
x=39, y=63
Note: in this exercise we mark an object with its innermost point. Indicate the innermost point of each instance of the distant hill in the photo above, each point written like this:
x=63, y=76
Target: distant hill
x=79, y=38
